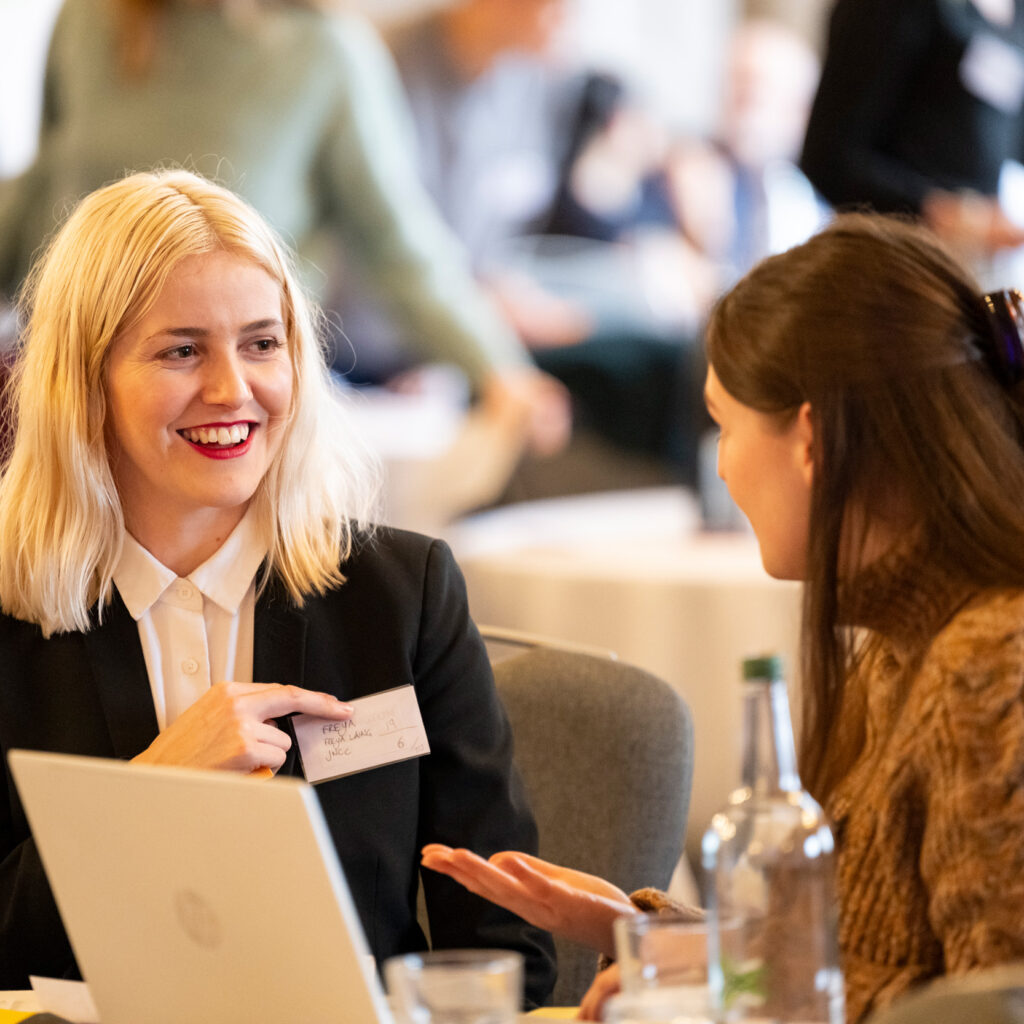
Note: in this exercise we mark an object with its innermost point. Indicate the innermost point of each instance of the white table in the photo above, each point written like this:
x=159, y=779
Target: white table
x=20, y=1000
x=630, y=572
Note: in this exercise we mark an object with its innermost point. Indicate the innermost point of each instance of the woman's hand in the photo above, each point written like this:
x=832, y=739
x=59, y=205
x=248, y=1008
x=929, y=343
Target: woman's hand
x=231, y=727
x=533, y=406
x=569, y=903
x=602, y=988
x=975, y=223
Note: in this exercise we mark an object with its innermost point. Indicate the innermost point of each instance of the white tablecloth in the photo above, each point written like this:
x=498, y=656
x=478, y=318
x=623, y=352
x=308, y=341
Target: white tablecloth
x=630, y=572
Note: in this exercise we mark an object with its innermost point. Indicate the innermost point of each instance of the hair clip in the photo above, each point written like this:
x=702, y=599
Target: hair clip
x=1004, y=343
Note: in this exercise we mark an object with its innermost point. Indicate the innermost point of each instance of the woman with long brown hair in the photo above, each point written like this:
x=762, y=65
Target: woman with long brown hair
x=871, y=405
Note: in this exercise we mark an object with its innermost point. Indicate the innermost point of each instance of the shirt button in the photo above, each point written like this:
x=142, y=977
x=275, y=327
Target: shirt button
x=184, y=591
x=190, y=666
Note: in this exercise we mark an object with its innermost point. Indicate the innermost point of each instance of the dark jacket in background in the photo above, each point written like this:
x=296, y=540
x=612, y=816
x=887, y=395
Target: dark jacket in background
x=900, y=108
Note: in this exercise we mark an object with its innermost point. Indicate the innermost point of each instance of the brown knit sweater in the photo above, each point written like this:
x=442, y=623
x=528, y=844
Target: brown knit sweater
x=929, y=821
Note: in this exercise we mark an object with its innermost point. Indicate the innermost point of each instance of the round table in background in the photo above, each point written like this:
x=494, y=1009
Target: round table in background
x=632, y=573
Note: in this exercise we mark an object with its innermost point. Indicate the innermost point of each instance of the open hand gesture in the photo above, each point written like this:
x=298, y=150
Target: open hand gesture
x=569, y=903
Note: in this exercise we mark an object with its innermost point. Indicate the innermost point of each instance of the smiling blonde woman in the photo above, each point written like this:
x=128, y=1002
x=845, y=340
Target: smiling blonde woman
x=61, y=519
x=187, y=558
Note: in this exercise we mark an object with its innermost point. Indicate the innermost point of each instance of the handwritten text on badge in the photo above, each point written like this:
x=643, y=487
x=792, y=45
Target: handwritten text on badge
x=384, y=727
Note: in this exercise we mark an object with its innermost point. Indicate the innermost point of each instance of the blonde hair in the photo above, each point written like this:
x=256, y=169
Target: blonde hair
x=61, y=523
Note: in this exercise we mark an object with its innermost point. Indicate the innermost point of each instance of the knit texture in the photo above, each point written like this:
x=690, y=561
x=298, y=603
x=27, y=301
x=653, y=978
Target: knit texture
x=929, y=820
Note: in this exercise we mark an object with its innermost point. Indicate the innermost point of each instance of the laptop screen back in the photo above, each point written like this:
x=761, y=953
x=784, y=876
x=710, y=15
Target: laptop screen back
x=193, y=895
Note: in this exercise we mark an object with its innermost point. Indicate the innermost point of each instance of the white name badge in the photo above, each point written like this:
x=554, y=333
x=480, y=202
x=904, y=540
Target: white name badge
x=385, y=727
x=993, y=71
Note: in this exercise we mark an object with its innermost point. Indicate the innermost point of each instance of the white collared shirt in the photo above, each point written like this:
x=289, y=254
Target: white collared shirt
x=197, y=630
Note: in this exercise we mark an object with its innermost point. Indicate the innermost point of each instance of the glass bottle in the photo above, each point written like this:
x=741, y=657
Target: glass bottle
x=769, y=867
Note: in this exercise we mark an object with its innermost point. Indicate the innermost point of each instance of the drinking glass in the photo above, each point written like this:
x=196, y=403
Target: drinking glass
x=455, y=986
x=663, y=965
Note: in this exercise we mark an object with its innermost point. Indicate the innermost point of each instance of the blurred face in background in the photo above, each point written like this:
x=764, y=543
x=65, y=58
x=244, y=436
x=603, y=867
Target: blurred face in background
x=531, y=26
x=772, y=75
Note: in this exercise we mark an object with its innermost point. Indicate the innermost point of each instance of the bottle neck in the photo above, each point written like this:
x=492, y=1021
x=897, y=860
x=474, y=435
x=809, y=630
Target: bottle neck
x=769, y=755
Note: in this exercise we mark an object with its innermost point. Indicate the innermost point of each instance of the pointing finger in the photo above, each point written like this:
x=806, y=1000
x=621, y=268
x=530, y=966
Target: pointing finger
x=277, y=699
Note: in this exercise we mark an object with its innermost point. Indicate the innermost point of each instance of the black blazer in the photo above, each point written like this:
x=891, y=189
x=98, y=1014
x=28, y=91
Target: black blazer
x=401, y=617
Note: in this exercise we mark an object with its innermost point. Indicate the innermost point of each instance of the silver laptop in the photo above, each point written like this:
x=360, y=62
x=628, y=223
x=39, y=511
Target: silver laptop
x=199, y=896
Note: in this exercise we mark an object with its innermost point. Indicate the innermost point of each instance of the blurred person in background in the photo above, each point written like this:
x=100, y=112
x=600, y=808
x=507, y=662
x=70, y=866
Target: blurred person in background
x=727, y=200
x=491, y=100
x=920, y=110
x=699, y=212
x=497, y=116
x=299, y=110
x=615, y=188
x=739, y=195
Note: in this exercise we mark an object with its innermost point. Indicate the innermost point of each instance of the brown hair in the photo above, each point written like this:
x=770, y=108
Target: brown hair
x=881, y=330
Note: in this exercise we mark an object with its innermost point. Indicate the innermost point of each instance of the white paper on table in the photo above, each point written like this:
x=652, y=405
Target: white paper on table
x=20, y=1000
x=385, y=727
x=71, y=1000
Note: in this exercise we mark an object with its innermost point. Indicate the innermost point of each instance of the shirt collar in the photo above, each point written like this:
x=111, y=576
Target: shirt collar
x=223, y=578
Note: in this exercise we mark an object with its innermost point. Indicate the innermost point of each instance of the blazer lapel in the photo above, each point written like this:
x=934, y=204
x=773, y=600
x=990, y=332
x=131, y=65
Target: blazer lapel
x=279, y=641
x=118, y=665
x=279, y=654
x=119, y=669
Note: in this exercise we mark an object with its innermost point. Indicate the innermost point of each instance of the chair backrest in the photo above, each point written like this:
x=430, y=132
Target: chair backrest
x=606, y=752
x=992, y=996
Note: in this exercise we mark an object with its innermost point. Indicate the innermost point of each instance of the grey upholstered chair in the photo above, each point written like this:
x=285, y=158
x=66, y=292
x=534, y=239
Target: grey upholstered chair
x=993, y=996
x=606, y=751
